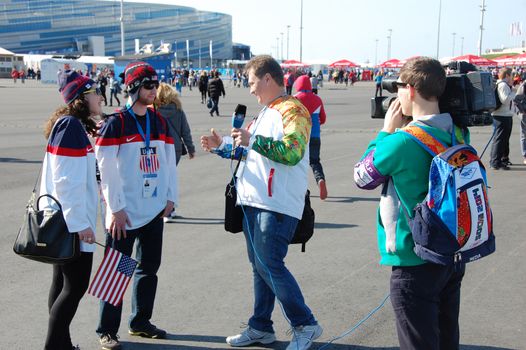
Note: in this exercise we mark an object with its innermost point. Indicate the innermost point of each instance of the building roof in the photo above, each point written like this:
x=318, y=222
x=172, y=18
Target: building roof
x=141, y=56
x=6, y=52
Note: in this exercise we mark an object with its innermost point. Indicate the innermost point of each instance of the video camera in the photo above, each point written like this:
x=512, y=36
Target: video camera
x=469, y=96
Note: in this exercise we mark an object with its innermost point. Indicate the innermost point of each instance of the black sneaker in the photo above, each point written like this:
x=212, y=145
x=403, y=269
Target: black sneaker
x=150, y=332
x=110, y=342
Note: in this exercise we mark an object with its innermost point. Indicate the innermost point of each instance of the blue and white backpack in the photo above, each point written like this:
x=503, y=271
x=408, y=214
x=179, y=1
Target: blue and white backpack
x=454, y=223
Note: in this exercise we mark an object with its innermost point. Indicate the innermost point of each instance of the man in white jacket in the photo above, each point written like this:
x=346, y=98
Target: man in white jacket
x=271, y=186
x=503, y=122
x=136, y=158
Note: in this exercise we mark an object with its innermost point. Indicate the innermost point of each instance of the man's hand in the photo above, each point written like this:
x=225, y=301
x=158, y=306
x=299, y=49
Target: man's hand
x=168, y=209
x=241, y=137
x=211, y=141
x=191, y=155
x=118, y=224
x=393, y=117
x=87, y=236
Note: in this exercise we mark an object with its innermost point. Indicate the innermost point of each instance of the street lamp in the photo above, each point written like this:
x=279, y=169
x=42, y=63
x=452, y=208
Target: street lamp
x=376, y=52
x=461, y=46
x=438, y=31
x=301, y=32
x=122, y=27
x=482, y=10
x=288, y=28
x=277, y=48
x=453, y=50
x=389, y=43
x=281, y=45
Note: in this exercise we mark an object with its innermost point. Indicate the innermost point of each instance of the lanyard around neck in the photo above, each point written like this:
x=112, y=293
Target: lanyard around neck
x=145, y=137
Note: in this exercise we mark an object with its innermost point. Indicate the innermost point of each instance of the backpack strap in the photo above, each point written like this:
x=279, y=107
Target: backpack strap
x=430, y=143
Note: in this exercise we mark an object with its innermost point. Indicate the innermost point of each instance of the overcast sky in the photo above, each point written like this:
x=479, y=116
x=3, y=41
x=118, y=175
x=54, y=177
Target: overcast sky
x=335, y=29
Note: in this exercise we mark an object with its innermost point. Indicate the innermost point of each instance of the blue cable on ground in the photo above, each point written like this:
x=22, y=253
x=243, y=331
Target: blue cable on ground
x=356, y=326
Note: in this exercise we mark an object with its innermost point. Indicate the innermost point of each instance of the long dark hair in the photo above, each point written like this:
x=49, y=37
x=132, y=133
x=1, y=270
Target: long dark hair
x=79, y=109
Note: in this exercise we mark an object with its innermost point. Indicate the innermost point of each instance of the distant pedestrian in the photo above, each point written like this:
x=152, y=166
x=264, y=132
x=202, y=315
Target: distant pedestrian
x=215, y=90
x=203, y=85
x=378, y=82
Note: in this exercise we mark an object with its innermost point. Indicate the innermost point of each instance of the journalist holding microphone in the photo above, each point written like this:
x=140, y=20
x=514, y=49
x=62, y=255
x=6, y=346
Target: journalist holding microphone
x=271, y=187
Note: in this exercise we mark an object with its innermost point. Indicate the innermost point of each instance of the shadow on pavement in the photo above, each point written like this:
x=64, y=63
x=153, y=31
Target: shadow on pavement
x=197, y=221
x=332, y=225
x=18, y=160
x=349, y=199
x=278, y=345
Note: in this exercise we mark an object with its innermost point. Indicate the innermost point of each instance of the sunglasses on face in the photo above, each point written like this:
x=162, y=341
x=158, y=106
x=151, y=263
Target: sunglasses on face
x=151, y=85
x=93, y=90
x=400, y=85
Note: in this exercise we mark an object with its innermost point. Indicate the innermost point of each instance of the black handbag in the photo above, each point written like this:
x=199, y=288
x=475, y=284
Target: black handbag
x=44, y=236
x=305, y=228
x=233, y=213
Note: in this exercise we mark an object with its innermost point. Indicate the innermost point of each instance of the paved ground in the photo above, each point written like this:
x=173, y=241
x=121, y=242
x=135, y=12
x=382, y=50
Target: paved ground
x=205, y=288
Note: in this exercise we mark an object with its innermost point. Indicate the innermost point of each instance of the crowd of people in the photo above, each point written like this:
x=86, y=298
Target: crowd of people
x=24, y=74
x=137, y=151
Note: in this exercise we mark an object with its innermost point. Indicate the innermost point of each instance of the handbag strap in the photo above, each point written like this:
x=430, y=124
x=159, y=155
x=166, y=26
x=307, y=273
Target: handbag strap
x=235, y=171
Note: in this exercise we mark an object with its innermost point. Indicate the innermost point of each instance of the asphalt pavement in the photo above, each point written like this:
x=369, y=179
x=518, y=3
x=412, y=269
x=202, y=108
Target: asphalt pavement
x=205, y=281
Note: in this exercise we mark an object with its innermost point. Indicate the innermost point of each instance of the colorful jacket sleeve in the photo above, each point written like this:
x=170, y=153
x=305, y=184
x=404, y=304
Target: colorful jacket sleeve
x=106, y=150
x=380, y=154
x=67, y=151
x=296, y=129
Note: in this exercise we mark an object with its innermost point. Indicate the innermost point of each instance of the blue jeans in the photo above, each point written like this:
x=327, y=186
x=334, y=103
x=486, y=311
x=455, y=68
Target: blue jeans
x=269, y=234
x=215, y=105
x=148, y=253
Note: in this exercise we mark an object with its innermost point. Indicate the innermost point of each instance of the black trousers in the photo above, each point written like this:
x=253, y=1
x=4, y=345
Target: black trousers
x=500, y=148
x=378, y=90
x=426, y=302
x=314, y=158
x=69, y=284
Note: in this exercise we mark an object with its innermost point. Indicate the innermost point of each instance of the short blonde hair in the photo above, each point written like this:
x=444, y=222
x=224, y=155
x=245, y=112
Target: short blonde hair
x=167, y=95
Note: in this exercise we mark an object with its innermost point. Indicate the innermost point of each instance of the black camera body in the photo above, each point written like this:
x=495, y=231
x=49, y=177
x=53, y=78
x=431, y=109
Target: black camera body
x=469, y=96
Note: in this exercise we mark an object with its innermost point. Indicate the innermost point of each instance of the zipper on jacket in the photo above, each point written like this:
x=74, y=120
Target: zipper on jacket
x=270, y=176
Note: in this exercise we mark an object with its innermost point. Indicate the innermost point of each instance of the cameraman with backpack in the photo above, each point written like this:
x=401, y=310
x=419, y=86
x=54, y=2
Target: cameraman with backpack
x=502, y=121
x=425, y=296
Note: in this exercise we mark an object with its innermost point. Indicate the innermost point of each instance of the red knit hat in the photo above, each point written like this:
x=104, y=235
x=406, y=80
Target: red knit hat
x=138, y=73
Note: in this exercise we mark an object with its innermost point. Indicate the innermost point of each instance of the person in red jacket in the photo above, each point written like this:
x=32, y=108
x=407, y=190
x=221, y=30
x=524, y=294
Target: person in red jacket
x=314, y=105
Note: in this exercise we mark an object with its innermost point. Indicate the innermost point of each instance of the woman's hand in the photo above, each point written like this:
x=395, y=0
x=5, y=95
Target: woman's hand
x=87, y=236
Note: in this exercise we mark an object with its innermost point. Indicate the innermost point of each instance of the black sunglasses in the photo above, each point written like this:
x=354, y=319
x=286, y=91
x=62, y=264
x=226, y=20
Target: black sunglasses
x=400, y=84
x=150, y=85
x=93, y=90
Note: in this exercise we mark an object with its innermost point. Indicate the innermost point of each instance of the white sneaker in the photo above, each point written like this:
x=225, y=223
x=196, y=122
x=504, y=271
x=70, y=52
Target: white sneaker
x=171, y=218
x=304, y=336
x=251, y=336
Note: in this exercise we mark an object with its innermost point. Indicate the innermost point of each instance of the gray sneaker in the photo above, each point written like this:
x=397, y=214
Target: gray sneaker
x=110, y=342
x=304, y=336
x=250, y=336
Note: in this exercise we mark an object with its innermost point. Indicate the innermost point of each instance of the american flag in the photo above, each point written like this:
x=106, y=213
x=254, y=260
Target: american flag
x=112, y=277
x=149, y=163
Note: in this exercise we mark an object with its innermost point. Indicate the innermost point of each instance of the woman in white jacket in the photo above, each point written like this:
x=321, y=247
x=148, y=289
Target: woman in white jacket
x=68, y=174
